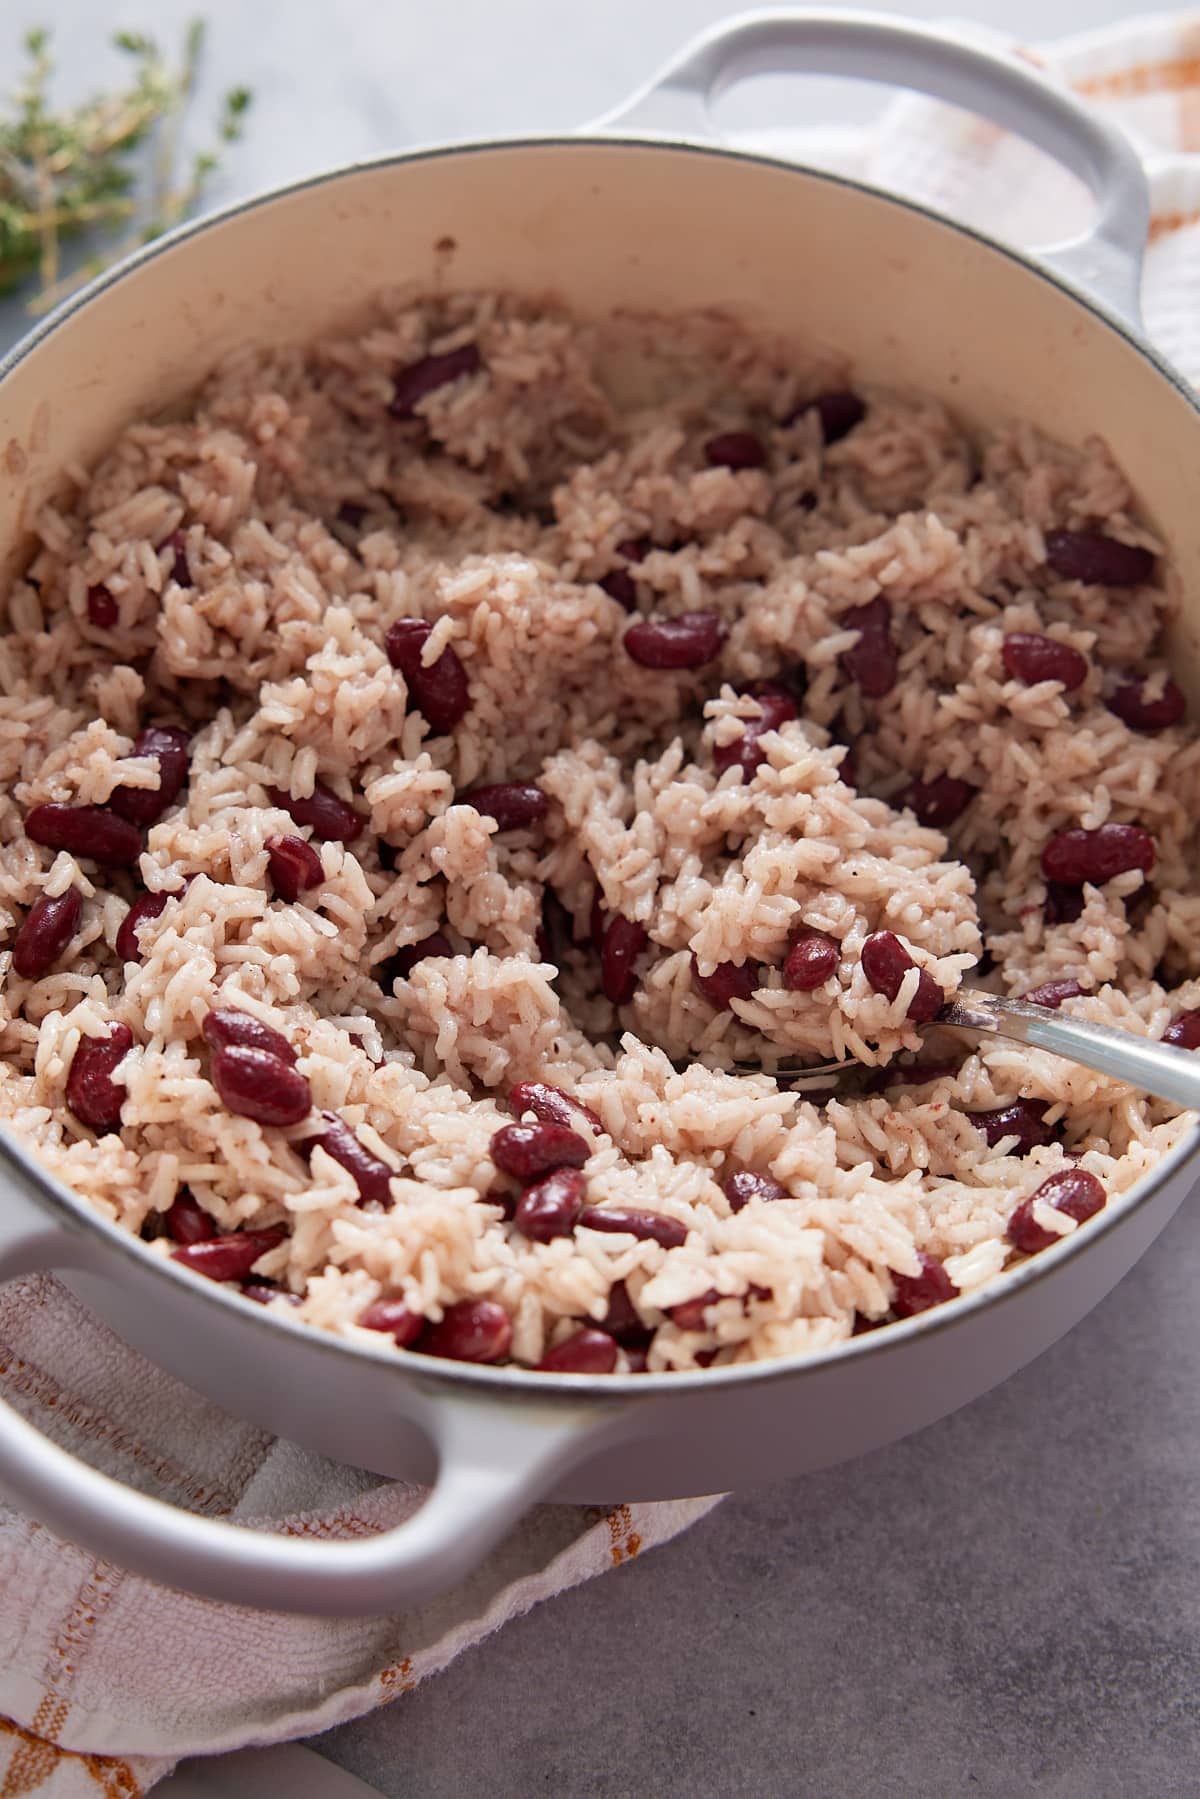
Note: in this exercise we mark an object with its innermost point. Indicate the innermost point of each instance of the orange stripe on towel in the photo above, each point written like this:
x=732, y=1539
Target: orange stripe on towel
x=397, y=1679
x=624, y=1539
x=1163, y=223
x=33, y=1760
x=1173, y=77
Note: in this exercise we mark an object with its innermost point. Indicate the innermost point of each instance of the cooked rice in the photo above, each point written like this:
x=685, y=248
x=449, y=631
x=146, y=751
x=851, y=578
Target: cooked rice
x=495, y=514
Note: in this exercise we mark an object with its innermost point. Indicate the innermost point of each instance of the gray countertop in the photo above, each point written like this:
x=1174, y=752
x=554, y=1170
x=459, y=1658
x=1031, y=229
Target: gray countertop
x=1007, y=1603
x=1004, y=1604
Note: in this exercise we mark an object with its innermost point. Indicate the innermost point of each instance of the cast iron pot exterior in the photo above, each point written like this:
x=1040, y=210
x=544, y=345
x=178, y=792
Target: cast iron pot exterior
x=600, y=223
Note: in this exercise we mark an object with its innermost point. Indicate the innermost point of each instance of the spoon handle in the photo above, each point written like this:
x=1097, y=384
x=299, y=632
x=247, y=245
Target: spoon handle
x=1160, y=1068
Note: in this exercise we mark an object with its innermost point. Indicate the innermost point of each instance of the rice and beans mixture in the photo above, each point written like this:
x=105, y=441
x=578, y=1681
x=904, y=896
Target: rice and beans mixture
x=432, y=759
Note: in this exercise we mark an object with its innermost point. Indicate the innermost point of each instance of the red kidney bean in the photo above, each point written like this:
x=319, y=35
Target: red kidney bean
x=1184, y=1030
x=848, y=767
x=187, y=1221
x=513, y=804
x=225, y=1027
x=393, y=1317
x=939, y=802
x=428, y=374
x=885, y=963
x=1024, y=1119
x=1051, y=994
x=372, y=1175
x=144, y=806
x=45, y=932
x=740, y=1188
x=633, y=549
x=862, y=1325
x=648, y=1226
x=621, y=1319
x=148, y=905
x=624, y=941
x=754, y=1291
x=256, y=1084
x=293, y=866
x=872, y=663
x=1063, y=904
x=261, y=1293
x=181, y=570
x=587, y=1352
x=776, y=706
x=687, y=641
x=92, y=1094
x=912, y=1074
x=811, y=959
x=1093, y=557
x=102, y=609
x=917, y=1292
x=548, y=1208
x=528, y=1151
x=85, y=831
x=689, y=1315
x=401, y=965
x=1131, y=706
x=1071, y=1190
x=778, y=699
x=550, y=1105
x=726, y=983
x=471, y=1330
x=440, y=691
x=1030, y=658
x=1074, y=857
x=735, y=450
x=328, y=818
x=620, y=586
x=229, y=1258
x=839, y=412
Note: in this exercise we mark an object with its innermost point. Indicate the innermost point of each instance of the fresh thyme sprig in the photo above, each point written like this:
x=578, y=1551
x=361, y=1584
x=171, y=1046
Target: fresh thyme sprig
x=74, y=171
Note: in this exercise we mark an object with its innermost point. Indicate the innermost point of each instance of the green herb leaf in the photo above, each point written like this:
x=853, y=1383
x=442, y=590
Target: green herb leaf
x=82, y=169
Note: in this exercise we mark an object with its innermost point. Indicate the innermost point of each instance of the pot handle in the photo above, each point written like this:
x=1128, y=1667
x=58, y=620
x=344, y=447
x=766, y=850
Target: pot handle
x=494, y=1461
x=492, y=1467
x=1105, y=260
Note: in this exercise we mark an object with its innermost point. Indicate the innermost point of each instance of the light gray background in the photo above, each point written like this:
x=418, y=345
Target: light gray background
x=1006, y=1604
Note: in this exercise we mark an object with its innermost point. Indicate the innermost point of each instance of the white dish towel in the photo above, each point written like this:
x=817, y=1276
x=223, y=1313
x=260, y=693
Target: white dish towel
x=106, y=1680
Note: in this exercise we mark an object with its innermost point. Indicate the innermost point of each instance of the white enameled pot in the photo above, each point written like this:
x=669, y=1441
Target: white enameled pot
x=640, y=212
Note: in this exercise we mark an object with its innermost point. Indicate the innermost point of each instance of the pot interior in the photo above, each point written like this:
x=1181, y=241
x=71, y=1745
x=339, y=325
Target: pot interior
x=604, y=225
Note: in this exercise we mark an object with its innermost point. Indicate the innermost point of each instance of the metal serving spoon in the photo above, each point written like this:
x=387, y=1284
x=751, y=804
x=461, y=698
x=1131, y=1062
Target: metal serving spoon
x=1159, y=1068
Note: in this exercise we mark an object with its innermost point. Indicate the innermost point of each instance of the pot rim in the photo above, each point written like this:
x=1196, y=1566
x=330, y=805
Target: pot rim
x=509, y=1381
